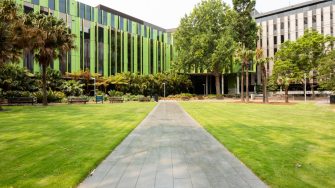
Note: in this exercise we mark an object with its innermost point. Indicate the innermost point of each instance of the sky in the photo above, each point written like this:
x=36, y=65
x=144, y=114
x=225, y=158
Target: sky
x=167, y=13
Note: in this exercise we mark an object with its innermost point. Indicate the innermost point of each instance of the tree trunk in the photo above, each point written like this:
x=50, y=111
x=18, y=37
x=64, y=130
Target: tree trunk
x=217, y=84
x=44, y=83
x=265, y=95
x=313, y=91
x=247, y=82
x=242, y=83
x=286, y=94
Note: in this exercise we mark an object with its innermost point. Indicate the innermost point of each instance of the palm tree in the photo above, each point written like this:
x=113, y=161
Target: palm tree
x=245, y=55
x=260, y=60
x=51, y=42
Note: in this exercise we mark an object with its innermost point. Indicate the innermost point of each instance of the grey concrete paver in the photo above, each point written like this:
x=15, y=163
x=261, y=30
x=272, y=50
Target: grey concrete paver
x=171, y=150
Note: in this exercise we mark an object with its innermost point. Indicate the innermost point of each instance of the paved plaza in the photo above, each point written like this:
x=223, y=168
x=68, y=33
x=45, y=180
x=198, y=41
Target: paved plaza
x=171, y=150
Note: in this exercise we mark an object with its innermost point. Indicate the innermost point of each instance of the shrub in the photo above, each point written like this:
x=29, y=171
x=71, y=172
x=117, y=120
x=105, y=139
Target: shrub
x=114, y=93
x=53, y=96
x=72, y=88
x=9, y=94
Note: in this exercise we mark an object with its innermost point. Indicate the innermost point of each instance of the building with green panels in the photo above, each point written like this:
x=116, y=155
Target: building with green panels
x=108, y=41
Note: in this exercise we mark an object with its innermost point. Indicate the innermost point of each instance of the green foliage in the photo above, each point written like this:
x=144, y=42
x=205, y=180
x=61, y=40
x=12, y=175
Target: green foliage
x=10, y=38
x=245, y=27
x=310, y=48
x=326, y=70
x=54, y=79
x=72, y=88
x=114, y=93
x=16, y=81
x=149, y=85
x=286, y=73
x=53, y=96
x=204, y=38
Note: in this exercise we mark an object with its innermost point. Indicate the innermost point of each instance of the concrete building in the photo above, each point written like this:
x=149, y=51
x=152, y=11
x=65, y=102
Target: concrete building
x=290, y=23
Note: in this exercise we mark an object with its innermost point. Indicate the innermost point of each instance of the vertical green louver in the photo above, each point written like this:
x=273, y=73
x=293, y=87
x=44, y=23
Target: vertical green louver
x=134, y=46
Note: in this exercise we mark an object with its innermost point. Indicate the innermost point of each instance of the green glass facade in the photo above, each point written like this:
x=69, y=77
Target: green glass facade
x=107, y=41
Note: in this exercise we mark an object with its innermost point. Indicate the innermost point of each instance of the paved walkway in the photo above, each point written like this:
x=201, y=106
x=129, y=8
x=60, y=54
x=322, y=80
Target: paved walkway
x=170, y=150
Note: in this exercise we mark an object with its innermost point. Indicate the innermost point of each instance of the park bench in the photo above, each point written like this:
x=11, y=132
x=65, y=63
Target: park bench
x=144, y=99
x=22, y=100
x=116, y=100
x=71, y=100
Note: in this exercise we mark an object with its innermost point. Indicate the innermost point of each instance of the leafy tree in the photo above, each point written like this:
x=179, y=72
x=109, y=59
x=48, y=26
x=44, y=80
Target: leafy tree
x=10, y=20
x=245, y=56
x=286, y=70
x=309, y=49
x=326, y=70
x=51, y=41
x=245, y=27
x=204, y=39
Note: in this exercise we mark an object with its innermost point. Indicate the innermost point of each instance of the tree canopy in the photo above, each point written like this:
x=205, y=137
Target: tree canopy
x=326, y=72
x=204, y=40
x=245, y=27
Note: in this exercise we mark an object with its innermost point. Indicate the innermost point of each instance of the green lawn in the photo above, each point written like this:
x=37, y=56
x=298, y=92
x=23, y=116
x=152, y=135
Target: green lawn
x=285, y=145
x=57, y=146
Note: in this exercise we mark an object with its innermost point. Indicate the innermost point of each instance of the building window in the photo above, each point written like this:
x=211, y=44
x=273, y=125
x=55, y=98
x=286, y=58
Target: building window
x=282, y=25
x=145, y=31
x=101, y=51
x=121, y=23
x=314, y=19
x=275, y=27
x=275, y=40
x=282, y=38
x=305, y=20
x=36, y=2
x=113, y=21
x=82, y=10
x=139, y=29
x=130, y=26
x=100, y=16
x=62, y=6
x=88, y=13
x=105, y=17
x=51, y=4
x=28, y=10
x=331, y=15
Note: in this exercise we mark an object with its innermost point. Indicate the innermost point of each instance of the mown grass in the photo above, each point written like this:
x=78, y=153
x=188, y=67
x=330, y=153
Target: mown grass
x=285, y=145
x=58, y=146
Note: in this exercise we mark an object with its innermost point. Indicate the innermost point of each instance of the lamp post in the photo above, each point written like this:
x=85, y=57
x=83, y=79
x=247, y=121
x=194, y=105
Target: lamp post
x=94, y=86
x=164, y=88
x=204, y=89
x=305, y=87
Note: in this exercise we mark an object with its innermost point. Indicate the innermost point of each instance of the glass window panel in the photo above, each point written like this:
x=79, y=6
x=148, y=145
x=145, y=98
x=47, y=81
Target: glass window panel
x=68, y=6
x=113, y=21
x=36, y=2
x=130, y=26
x=100, y=16
x=62, y=6
x=51, y=4
x=121, y=23
x=88, y=13
x=105, y=17
x=82, y=10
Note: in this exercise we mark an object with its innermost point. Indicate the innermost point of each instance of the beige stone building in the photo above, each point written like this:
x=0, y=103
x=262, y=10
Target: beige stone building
x=290, y=23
